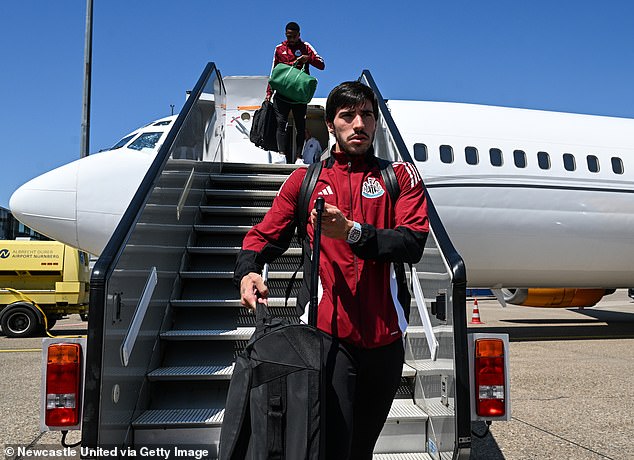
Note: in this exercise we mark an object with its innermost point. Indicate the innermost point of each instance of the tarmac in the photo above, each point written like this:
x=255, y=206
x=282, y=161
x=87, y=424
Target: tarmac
x=572, y=389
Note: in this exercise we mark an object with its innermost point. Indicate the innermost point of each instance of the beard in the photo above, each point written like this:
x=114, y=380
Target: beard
x=352, y=149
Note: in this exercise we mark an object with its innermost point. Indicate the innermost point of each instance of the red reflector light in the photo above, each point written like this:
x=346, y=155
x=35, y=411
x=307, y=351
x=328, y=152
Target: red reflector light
x=489, y=377
x=63, y=369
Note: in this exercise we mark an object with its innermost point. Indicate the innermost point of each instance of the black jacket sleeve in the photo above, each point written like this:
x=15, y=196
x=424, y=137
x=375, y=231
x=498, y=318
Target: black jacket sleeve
x=390, y=245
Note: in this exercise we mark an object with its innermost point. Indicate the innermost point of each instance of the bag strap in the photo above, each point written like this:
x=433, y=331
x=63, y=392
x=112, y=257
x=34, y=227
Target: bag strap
x=275, y=441
x=305, y=192
x=389, y=178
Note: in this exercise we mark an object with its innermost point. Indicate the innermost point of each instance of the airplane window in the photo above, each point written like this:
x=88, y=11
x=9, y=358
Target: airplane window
x=593, y=163
x=543, y=160
x=145, y=141
x=471, y=155
x=520, y=158
x=569, y=162
x=122, y=142
x=617, y=165
x=420, y=152
x=162, y=123
x=496, y=157
x=446, y=154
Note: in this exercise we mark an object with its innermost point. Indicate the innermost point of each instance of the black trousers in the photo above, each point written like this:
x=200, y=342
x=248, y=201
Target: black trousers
x=359, y=393
x=282, y=109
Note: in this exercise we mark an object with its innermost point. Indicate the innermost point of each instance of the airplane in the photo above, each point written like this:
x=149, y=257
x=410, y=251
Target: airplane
x=81, y=203
x=530, y=198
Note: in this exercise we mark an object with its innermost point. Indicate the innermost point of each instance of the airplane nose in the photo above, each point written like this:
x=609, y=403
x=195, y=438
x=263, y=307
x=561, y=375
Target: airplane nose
x=48, y=204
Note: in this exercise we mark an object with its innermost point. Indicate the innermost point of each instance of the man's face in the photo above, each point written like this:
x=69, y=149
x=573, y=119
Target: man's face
x=292, y=36
x=353, y=128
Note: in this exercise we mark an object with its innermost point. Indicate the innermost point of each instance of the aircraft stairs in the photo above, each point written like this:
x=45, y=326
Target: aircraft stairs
x=172, y=318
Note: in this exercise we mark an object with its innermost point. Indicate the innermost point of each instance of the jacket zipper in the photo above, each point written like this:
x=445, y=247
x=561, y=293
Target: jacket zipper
x=356, y=271
x=355, y=260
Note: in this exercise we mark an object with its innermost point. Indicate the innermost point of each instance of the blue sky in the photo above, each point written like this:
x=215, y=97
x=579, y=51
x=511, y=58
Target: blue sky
x=571, y=56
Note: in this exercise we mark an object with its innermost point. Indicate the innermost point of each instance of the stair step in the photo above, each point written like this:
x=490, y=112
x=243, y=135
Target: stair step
x=428, y=367
x=412, y=456
x=273, y=302
x=234, y=210
x=150, y=427
x=436, y=409
x=405, y=456
x=233, y=168
x=214, y=250
x=405, y=410
x=222, y=193
x=229, y=275
x=220, y=229
x=419, y=331
x=240, y=333
x=181, y=418
x=248, y=178
x=402, y=411
x=192, y=373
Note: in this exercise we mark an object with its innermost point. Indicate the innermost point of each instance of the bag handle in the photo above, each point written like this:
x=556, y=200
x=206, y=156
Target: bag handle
x=262, y=315
x=314, y=272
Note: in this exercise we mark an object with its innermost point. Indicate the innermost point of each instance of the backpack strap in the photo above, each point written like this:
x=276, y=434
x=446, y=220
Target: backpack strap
x=305, y=191
x=389, y=178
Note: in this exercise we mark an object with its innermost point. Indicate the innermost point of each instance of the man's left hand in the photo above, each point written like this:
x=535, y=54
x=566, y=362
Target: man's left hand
x=303, y=59
x=333, y=223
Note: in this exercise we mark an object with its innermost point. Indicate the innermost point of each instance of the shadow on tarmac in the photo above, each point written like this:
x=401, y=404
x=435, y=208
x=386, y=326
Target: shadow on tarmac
x=600, y=324
x=64, y=332
x=485, y=448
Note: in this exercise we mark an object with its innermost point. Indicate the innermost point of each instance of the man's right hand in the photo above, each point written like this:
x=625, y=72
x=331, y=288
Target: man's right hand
x=250, y=286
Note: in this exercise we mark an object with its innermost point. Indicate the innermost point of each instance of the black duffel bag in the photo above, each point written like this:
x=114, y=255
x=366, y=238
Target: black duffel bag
x=264, y=127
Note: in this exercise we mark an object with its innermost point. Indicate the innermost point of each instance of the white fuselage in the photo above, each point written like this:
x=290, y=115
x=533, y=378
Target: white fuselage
x=528, y=226
x=514, y=226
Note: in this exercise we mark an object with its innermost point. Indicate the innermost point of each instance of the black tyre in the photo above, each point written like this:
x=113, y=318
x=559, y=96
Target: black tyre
x=50, y=321
x=19, y=322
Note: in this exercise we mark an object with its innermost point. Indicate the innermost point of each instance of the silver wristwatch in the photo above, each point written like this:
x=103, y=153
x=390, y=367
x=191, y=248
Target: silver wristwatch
x=354, y=234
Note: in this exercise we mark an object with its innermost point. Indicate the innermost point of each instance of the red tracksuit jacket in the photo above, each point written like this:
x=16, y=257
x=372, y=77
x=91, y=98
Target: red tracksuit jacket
x=363, y=297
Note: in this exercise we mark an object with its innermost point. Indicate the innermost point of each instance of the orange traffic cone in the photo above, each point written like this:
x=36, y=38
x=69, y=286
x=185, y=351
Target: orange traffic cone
x=475, y=317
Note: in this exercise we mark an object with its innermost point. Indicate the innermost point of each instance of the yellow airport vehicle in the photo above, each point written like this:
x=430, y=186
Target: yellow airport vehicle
x=40, y=282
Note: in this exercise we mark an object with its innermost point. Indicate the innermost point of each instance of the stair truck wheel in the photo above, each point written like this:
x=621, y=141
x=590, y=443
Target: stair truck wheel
x=19, y=320
x=50, y=320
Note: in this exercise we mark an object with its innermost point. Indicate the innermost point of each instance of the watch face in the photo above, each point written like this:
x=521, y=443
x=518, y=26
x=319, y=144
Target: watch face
x=354, y=235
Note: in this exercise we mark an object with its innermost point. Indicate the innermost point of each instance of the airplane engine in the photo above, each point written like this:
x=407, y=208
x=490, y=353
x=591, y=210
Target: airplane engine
x=554, y=297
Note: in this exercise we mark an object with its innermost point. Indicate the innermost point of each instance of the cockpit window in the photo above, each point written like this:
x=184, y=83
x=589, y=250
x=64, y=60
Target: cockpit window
x=122, y=142
x=145, y=141
x=162, y=123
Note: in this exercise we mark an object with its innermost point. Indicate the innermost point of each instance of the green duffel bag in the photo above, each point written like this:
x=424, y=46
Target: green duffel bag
x=293, y=84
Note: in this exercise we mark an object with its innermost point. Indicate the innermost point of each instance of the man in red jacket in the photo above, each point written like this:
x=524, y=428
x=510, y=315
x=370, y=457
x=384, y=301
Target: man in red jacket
x=363, y=296
x=292, y=51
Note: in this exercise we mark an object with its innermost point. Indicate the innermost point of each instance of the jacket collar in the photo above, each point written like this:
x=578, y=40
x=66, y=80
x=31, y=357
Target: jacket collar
x=298, y=44
x=355, y=160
